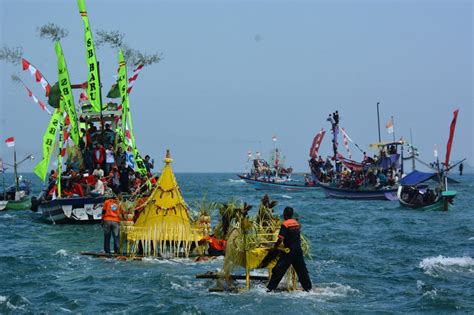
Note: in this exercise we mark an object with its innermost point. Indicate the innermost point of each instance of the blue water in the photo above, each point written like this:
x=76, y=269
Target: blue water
x=366, y=257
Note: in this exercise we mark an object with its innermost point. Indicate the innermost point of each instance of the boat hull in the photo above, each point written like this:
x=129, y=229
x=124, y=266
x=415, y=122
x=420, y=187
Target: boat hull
x=3, y=205
x=442, y=203
x=262, y=185
x=22, y=204
x=72, y=210
x=342, y=193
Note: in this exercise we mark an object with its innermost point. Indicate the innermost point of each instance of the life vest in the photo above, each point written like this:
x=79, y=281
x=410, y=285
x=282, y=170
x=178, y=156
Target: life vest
x=111, y=211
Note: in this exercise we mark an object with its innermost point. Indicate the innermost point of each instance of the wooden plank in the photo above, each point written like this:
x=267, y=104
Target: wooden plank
x=213, y=275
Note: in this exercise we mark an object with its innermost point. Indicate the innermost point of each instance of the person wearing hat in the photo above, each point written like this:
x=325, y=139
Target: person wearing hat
x=290, y=236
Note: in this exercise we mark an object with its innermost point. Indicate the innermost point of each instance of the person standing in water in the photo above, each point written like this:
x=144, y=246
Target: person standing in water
x=290, y=236
x=111, y=224
x=461, y=168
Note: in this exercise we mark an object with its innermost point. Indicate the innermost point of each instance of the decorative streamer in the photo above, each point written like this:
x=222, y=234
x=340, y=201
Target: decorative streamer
x=35, y=99
x=37, y=74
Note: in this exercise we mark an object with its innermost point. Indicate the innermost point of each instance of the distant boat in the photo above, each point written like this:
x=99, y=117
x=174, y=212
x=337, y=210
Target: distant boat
x=277, y=185
x=271, y=175
x=16, y=196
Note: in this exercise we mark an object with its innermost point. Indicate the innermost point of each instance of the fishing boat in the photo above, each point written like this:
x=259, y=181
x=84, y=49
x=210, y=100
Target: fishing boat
x=16, y=196
x=344, y=178
x=262, y=184
x=412, y=195
x=64, y=200
x=270, y=175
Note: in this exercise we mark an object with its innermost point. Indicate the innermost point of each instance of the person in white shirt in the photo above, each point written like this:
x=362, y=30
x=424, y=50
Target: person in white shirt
x=109, y=159
x=99, y=188
x=98, y=171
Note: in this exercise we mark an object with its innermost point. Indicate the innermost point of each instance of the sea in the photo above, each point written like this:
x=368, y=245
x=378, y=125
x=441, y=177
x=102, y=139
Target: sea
x=366, y=257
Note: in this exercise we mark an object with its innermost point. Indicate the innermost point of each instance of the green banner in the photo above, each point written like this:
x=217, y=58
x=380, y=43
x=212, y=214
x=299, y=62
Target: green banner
x=66, y=92
x=123, y=87
x=60, y=145
x=122, y=83
x=93, y=88
x=48, y=144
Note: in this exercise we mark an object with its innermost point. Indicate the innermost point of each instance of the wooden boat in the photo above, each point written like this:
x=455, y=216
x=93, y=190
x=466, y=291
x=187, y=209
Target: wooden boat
x=71, y=210
x=16, y=196
x=275, y=185
x=358, y=194
x=411, y=196
x=442, y=201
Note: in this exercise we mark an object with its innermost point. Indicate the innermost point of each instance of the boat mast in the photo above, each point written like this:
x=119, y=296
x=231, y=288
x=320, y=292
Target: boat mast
x=412, y=152
x=100, y=97
x=393, y=124
x=17, y=186
x=378, y=120
x=3, y=180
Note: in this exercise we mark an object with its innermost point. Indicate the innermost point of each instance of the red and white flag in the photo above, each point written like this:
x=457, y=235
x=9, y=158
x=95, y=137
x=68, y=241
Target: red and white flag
x=132, y=79
x=390, y=126
x=346, y=143
x=10, y=142
x=313, y=151
x=274, y=138
x=37, y=74
x=36, y=100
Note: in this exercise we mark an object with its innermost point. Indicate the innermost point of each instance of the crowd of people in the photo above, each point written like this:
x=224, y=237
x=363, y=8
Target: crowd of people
x=414, y=196
x=366, y=176
x=104, y=170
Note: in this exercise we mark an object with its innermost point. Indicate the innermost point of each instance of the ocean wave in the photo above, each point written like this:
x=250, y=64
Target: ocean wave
x=286, y=197
x=8, y=216
x=10, y=302
x=61, y=253
x=322, y=291
x=334, y=290
x=471, y=239
x=433, y=265
x=235, y=180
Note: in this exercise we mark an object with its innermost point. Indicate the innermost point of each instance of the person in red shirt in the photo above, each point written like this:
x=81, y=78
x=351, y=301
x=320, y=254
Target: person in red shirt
x=98, y=155
x=216, y=246
x=111, y=224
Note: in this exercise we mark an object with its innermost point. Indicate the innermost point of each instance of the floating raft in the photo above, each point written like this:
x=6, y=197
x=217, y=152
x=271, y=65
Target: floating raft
x=214, y=275
x=115, y=256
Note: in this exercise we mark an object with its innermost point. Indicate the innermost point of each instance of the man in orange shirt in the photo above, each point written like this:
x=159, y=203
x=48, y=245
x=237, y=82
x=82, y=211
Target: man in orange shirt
x=111, y=224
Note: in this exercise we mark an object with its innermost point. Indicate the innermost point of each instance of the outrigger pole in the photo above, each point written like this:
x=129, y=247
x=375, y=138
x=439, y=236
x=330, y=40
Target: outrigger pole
x=378, y=120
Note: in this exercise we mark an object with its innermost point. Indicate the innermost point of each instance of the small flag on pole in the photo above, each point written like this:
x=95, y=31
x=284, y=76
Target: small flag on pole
x=10, y=142
x=389, y=126
x=274, y=138
x=435, y=151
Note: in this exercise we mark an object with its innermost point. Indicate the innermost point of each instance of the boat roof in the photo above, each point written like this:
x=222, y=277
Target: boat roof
x=417, y=177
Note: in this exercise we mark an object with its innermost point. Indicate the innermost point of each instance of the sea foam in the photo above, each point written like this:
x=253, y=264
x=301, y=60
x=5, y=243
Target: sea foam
x=432, y=265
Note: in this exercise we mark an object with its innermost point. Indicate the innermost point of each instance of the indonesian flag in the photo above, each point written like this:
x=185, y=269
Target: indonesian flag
x=274, y=138
x=10, y=142
x=389, y=126
x=435, y=151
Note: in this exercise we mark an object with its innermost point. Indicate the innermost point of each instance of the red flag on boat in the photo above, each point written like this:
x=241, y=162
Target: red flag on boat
x=313, y=152
x=10, y=142
x=451, y=137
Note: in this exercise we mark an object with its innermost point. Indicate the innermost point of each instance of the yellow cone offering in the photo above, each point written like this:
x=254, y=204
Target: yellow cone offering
x=164, y=227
